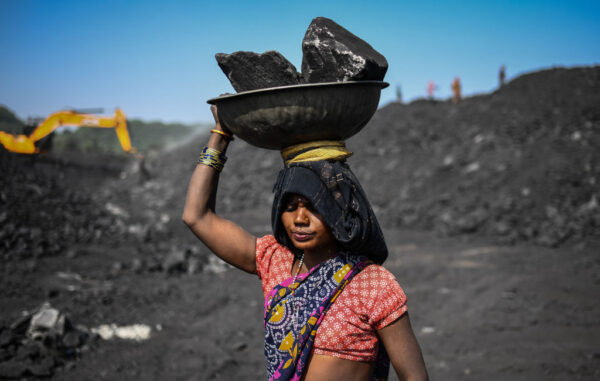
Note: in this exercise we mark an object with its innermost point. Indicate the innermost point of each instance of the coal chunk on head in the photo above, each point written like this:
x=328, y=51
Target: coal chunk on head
x=251, y=71
x=333, y=54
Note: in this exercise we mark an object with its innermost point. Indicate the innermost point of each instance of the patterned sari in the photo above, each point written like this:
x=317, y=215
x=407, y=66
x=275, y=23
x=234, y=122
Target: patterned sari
x=288, y=345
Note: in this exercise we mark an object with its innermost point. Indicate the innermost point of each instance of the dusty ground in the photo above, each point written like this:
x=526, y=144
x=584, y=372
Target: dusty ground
x=501, y=290
x=480, y=311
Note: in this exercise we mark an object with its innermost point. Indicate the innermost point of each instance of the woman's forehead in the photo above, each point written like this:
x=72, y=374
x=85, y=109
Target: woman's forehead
x=294, y=197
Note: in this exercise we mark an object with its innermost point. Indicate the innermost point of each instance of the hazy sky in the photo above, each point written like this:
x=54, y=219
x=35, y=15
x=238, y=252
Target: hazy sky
x=155, y=59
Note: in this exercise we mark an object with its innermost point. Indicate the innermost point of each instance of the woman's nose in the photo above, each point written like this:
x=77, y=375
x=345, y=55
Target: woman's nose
x=301, y=216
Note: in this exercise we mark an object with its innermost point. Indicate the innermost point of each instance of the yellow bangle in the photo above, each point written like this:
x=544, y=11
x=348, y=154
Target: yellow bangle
x=212, y=158
x=228, y=136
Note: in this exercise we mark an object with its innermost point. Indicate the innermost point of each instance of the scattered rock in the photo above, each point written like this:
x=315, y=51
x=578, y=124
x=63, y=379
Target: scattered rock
x=215, y=265
x=47, y=321
x=176, y=261
x=194, y=265
x=333, y=54
x=73, y=339
x=250, y=71
x=47, y=342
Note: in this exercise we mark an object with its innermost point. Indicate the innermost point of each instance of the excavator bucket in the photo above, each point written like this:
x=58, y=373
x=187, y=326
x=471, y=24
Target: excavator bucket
x=17, y=143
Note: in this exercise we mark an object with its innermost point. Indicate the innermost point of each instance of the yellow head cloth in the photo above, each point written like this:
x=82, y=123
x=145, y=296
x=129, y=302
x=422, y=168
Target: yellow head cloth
x=315, y=151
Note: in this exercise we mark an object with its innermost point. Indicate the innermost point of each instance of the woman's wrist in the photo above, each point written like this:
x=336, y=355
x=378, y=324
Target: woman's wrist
x=219, y=136
x=212, y=158
x=218, y=142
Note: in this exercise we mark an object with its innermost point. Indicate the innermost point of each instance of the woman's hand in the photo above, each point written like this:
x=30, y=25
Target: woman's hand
x=218, y=125
x=216, y=140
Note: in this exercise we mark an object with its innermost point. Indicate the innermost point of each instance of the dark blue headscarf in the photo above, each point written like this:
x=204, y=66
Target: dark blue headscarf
x=336, y=194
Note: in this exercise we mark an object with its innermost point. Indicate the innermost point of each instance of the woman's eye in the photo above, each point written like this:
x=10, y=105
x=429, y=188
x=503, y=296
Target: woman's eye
x=291, y=207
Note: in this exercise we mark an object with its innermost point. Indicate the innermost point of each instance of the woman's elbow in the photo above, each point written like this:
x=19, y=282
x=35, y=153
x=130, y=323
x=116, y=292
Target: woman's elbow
x=191, y=219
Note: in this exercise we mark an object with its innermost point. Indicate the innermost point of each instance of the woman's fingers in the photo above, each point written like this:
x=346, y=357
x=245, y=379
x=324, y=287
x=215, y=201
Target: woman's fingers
x=213, y=109
x=218, y=126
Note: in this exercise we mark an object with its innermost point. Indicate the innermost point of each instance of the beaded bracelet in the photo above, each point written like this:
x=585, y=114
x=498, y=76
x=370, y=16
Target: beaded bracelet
x=223, y=133
x=212, y=158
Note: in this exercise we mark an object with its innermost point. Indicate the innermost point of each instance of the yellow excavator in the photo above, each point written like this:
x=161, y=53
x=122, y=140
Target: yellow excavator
x=27, y=143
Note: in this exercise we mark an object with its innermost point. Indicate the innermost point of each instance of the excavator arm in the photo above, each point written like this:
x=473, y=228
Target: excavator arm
x=26, y=144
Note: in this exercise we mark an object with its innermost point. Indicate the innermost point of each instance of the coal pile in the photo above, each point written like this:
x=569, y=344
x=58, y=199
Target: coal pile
x=44, y=213
x=519, y=164
x=40, y=215
x=39, y=342
x=107, y=246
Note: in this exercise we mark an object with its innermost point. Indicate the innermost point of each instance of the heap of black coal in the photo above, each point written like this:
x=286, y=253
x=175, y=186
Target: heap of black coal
x=330, y=54
x=39, y=342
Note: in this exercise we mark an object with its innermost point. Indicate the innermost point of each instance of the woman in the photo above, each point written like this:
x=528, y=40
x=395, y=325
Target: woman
x=332, y=312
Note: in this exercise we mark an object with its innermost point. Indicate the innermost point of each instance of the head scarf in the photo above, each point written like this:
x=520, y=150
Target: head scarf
x=336, y=194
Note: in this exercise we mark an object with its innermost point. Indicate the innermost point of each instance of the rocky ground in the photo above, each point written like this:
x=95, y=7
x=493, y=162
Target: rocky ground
x=490, y=209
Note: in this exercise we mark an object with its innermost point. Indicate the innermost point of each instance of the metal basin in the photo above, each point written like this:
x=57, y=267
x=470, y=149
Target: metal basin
x=279, y=117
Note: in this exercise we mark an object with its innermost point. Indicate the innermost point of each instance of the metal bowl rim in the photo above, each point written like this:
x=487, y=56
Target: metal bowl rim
x=382, y=84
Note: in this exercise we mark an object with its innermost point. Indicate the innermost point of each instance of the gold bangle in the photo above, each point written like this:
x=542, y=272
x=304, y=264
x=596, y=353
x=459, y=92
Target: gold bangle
x=210, y=162
x=228, y=136
x=212, y=158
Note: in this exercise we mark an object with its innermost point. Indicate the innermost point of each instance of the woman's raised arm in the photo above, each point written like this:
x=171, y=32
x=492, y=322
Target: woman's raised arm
x=226, y=239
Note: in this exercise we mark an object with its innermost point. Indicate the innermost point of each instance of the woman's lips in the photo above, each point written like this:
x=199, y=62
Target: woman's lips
x=301, y=236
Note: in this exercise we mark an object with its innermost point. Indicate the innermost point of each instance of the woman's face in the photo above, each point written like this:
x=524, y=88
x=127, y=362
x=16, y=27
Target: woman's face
x=305, y=226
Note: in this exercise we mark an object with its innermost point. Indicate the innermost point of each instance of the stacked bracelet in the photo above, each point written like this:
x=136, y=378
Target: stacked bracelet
x=222, y=133
x=212, y=158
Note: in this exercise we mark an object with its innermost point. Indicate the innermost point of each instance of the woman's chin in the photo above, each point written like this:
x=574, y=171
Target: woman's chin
x=302, y=245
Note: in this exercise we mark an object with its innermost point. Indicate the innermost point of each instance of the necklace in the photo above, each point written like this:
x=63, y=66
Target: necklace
x=294, y=309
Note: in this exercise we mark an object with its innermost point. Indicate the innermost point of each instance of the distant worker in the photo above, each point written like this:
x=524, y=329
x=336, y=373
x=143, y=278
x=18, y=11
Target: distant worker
x=143, y=172
x=431, y=87
x=502, y=75
x=398, y=94
x=456, y=90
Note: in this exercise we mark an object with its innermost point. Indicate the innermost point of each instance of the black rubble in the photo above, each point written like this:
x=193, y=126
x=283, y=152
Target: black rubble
x=39, y=342
x=333, y=54
x=250, y=71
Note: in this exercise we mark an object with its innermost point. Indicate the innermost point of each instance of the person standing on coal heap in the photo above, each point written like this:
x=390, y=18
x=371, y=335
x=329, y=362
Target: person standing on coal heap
x=332, y=311
x=456, y=93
